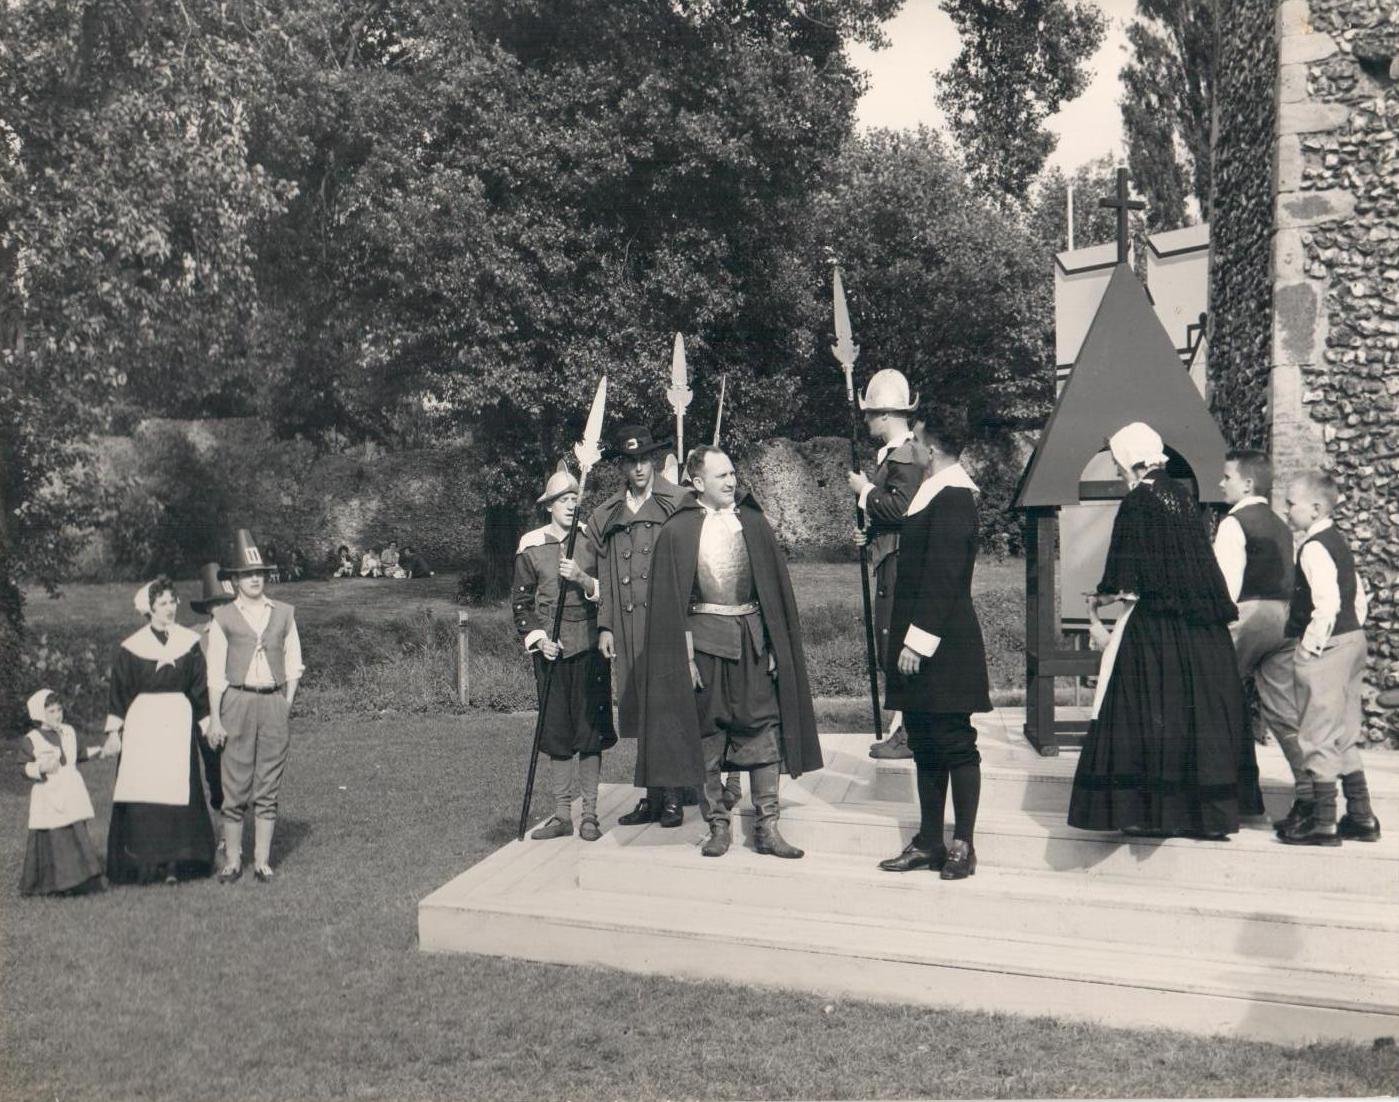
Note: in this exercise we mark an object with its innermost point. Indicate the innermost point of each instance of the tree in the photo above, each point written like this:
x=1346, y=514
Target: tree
x=1020, y=60
x=1168, y=98
x=127, y=203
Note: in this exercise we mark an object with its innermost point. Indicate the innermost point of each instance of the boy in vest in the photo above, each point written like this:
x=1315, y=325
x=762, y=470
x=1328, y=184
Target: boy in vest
x=1327, y=617
x=254, y=665
x=1254, y=549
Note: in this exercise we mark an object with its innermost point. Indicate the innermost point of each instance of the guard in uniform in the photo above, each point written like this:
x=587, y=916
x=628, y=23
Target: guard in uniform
x=722, y=682
x=578, y=720
x=622, y=533
x=884, y=502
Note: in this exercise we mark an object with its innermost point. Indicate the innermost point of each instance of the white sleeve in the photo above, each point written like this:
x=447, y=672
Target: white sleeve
x=1231, y=552
x=921, y=642
x=1320, y=572
x=292, y=653
x=216, y=661
x=865, y=496
x=534, y=638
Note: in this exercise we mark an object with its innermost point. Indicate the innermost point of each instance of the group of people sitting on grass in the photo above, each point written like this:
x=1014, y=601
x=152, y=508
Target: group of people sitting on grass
x=391, y=562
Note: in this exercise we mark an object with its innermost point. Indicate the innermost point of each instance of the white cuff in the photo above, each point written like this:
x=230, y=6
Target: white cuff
x=114, y=724
x=921, y=642
x=534, y=638
x=31, y=770
x=595, y=594
x=865, y=496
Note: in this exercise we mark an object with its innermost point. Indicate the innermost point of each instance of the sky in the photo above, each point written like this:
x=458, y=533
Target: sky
x=923, y=40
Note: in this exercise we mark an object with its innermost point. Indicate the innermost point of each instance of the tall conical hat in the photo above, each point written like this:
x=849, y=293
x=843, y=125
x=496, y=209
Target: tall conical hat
x=214, y=591
x=560, y=482
x=246, y=558
x=887, y=392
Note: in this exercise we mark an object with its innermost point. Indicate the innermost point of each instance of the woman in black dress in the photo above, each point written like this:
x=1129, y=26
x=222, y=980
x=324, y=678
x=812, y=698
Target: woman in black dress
x=1169, y=749
x=158, y=703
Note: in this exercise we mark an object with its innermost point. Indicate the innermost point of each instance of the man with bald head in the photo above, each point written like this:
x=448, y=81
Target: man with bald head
x=722, y=682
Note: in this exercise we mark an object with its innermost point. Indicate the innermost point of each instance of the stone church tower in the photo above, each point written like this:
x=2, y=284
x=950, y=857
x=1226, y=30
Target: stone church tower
x=1304, y=340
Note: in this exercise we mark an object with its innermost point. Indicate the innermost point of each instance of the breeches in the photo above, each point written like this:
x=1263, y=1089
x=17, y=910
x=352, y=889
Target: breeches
x=256, y=752
x=941, y=740
x=1328, y=694
x=1268, y=658
x=738, y=709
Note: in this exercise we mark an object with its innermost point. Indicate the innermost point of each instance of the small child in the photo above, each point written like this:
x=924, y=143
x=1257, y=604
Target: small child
x=1327, y=617
x=369, y=566
x=345, y=563
x=59, y=858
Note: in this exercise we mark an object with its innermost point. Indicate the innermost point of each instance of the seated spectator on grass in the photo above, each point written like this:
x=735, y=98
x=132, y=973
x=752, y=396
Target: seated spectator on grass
x=370, y=566
x=274, y=572
x=389, y=560
x=414, y=565
x=344, y=561
x=296, y=565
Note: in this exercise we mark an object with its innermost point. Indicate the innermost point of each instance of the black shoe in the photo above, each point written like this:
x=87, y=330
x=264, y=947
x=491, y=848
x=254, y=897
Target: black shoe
x=961, y=861
x=1309, y=833
x=1300, y=810
x=1355, y=828
x=672, y=814
x=644, y=812
x=915, y=856
x=229, y=873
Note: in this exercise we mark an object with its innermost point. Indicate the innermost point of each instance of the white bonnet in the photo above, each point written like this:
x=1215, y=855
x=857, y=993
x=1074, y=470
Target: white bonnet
x=37, y=703
x=1137, y=444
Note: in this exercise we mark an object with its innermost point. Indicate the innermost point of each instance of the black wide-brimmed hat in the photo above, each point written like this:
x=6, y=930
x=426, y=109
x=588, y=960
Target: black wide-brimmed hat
x=215, y=591
x=246, y=558
x=636, y=441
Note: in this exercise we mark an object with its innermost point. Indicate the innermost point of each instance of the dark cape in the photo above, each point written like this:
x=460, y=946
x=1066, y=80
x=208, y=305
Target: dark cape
x=658, y=705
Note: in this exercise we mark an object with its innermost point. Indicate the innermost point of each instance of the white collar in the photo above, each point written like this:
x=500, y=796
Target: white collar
x=1243, y=503
x=635, y=503
x=718, y=510
x=143, y=644
x=884, y=451
x=247, y=604
x=947, y=478
x=1320, y=526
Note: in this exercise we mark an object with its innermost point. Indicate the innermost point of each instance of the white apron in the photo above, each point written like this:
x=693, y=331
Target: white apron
x=155, y=749
x=1109, y=659
x=61, y=798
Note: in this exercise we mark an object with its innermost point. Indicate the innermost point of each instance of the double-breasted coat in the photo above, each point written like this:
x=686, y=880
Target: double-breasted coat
x=933, y=597
x=896, y=480
x=624, y=543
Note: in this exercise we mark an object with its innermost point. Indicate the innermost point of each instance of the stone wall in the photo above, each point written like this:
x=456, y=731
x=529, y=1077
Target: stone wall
x=1335, y=354
x=1241, y=218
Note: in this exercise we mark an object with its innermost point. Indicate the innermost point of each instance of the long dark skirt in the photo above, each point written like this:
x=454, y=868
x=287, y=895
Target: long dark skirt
x=149, y=842
x=1170, y=751
x=579, y=719
x=59, y=860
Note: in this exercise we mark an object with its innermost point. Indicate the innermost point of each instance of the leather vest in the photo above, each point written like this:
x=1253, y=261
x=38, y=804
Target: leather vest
x=1300, y=612
x=243, y=642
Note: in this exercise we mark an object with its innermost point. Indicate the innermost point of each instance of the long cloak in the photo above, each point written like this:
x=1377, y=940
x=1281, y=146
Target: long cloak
x=658, y=706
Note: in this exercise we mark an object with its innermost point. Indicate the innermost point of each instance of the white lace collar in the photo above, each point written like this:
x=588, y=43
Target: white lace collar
x=947, y=478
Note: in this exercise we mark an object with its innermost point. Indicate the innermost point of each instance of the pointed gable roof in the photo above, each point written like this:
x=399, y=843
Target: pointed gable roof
x=1127, y=370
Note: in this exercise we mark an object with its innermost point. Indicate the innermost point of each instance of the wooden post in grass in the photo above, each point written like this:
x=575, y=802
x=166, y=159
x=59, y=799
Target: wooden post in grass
x=463, y=656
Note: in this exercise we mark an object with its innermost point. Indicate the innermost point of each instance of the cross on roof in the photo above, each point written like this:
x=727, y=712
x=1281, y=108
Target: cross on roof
x=1123, y=204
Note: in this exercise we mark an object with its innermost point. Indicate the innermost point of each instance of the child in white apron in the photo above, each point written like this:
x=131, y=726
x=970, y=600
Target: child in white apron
x=59, y=857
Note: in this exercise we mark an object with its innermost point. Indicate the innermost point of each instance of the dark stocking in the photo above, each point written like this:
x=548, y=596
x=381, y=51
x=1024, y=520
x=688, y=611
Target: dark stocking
x=932, y=802
x=966, y=794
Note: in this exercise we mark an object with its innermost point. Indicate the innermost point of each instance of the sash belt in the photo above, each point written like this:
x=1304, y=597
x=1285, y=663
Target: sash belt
x=705, y=608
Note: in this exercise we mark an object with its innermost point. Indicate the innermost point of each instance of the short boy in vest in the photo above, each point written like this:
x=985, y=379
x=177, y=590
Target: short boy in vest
x=577, y=723
x=1253, y=546
x=254, y=664
x=1327, y=618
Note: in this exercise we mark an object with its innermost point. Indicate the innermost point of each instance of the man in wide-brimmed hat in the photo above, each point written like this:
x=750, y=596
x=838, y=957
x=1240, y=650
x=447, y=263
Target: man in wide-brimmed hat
x=884, y=500
x=623, y=531
x=214, y=591
x=254, y=666
x=576, y=726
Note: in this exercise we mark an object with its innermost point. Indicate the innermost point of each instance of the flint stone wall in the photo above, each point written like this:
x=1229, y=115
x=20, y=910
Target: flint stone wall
x=1333, y=358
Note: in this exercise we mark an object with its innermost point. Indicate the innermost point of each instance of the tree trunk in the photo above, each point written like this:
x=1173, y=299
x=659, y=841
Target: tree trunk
x=503, y=525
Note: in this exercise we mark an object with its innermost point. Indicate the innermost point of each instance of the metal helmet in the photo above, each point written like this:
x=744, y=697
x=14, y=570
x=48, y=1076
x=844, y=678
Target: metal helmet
x=560, y=482
x=887, y=392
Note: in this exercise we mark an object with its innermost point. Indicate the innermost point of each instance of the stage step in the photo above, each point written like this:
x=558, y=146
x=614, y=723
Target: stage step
x=1306, y=929
x=547, y=917
x=1247, y=937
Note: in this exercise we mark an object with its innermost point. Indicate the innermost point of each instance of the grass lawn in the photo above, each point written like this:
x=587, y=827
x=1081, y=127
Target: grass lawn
x=313, y=987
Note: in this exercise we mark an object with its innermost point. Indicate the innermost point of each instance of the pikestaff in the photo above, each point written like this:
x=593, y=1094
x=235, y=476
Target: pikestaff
x=846, y=351
x=679, y=394
x=588, y=452
x=719, y=414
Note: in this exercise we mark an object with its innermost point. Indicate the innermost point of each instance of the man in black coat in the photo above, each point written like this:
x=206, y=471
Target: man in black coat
x=936, y=658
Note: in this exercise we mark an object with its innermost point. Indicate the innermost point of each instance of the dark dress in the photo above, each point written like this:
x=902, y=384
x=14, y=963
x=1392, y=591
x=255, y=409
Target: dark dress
x=148, y=841
x=1170, y=751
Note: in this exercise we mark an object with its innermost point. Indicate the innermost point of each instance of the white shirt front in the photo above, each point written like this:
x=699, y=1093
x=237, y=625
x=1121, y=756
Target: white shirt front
x=634, y=503
x=1231, y=547
x=259, y=673
x=1320, y=571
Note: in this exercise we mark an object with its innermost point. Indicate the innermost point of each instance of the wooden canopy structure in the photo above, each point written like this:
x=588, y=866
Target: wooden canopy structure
x=1127, y=370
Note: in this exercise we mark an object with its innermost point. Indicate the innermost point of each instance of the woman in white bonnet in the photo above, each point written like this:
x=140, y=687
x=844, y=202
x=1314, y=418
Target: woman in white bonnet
x=158, y=704
x=1169, y=750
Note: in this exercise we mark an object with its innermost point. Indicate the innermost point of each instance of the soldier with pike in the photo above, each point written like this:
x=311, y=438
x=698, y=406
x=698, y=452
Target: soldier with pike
x=883, y=501
x=622, y=534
